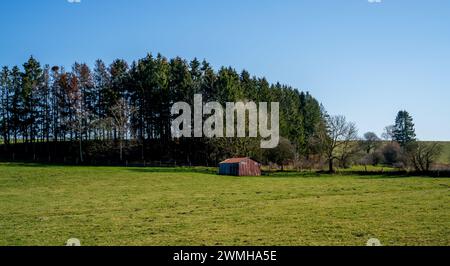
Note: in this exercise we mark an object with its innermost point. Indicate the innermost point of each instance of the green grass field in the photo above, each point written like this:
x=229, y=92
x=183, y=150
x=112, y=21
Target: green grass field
x=46, y=205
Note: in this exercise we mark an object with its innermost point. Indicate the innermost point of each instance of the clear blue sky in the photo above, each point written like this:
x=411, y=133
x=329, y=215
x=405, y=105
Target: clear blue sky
x=362, y=60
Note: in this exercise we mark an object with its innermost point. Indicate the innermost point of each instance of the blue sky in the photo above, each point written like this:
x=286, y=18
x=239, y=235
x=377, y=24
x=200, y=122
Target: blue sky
x=362, y=60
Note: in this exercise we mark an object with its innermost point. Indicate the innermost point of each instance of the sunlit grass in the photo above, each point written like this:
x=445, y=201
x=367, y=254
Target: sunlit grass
x=46, y=205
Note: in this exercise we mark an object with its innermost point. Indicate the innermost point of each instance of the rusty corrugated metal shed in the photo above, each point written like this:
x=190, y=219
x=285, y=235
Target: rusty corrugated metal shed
x=240, y=167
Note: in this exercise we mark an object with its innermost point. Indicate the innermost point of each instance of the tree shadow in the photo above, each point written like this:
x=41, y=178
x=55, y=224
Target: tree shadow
x=292, y=174
x=398, y=174
x=197, y=170
x=27, y=164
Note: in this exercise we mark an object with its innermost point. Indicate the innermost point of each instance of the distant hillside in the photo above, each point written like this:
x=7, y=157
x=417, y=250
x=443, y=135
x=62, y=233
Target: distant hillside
x=445, y=156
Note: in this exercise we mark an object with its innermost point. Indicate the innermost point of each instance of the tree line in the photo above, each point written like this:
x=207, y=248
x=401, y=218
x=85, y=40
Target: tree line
x=399, y=147
x=121, y=111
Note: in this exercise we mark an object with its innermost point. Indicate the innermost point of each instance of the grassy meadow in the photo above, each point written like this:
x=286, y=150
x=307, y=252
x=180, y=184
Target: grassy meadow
x=46, y=205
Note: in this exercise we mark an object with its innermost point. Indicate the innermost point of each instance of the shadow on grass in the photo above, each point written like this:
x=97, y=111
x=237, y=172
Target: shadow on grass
x=197, y=170
x=30, y=164
x=396, y=174
x=293, y=174
x=268, y=174
x=360, y=174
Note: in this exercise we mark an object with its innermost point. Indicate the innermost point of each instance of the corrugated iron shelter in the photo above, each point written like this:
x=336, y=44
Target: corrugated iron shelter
x=240, y=167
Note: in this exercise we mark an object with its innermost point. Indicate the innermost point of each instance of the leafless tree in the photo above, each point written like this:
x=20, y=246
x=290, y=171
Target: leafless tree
x=424, y=155
x=80, y=120
x=340, y=139
x=121, y=114
x=388, y=133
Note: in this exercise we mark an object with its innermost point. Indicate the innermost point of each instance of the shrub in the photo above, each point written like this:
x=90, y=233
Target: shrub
x=392, y=153
x=374, y=158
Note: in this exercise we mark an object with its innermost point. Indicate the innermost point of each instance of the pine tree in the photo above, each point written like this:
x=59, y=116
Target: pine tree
x=43, y=104
x=4, y=104
x=16, y=102
x=208, y=82
x=31, y=82
x=86, y=85
x=404, y=131
x=161, y=98
x=56, y=96
x=102, y=83
x=196, y=75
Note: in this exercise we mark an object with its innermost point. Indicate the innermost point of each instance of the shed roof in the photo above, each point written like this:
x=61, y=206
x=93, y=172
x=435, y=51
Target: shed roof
x=236, y=160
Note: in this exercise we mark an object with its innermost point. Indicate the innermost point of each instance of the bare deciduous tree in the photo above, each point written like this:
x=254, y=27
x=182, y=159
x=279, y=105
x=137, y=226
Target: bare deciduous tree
x=80, y=120
x=121, y=114
x=340, y=139
x=423, y=155
x=388, y=133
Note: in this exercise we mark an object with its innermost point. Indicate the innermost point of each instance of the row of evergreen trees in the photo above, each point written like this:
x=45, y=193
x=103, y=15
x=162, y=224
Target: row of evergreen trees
x=43, y=104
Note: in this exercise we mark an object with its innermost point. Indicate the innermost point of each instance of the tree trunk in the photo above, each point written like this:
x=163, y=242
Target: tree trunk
x=330, y=165
x=81, y=150
x=121, y=150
